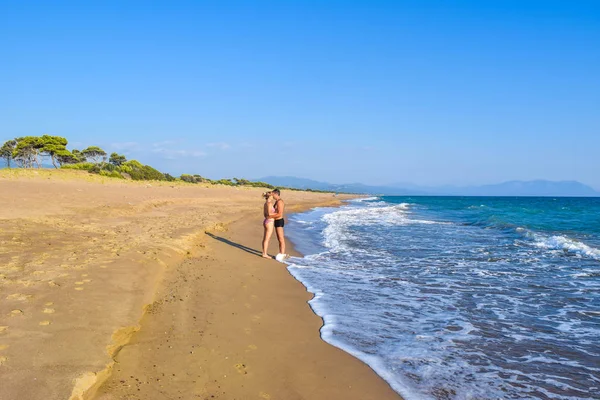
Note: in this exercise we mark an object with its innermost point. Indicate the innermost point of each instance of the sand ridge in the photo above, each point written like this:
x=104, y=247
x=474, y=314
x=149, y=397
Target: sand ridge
x=81, y=256
x=228, y=324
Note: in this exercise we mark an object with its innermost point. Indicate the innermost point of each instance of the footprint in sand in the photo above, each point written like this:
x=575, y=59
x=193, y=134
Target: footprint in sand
x=84, y=275
x=15, y=313
x=3, y=329
x=255, y=318
x=49, y=303
x=248, y=305
x=3, y=360
x=247, y=331
x=264, y=395
x=87, y=280
x=3, y=346
x=241, y=368
x=19, y=297
x=252, y=347
x=49, y=311
x=44, y=323
x=79, y=283
x=79, y=288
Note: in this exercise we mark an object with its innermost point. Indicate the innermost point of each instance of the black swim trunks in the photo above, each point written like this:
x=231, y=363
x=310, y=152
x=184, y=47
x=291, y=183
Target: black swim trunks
x=279, y=223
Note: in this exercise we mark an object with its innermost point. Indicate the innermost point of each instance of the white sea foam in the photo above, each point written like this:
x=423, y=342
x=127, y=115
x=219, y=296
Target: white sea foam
x=420, y=310
x=587, y=273
x=404, y=206
x=565, y=244
x=339, y=223
x=392, y=215
x=330, y=324
x=365, y=199
x=337, y=233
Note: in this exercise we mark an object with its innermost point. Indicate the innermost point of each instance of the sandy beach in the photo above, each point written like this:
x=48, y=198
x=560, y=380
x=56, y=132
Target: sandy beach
x=122, y=290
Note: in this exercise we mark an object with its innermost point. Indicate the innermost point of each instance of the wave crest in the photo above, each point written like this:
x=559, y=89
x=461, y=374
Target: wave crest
x=564, y=243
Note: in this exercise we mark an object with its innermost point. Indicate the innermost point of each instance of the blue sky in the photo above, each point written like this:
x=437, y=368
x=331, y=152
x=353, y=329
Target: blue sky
x=427, y=92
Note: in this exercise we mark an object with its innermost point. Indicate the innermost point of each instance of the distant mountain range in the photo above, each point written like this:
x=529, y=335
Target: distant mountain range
x=511, y=188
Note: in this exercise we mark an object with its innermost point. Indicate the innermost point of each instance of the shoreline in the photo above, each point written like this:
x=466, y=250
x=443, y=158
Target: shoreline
x=90, y=385
x=372, y=362
x=362, y=357
x=250, y=372
x=88, y=278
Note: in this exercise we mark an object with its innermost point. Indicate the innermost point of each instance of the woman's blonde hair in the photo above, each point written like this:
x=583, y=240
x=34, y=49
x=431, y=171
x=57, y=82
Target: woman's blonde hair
x=266, y=195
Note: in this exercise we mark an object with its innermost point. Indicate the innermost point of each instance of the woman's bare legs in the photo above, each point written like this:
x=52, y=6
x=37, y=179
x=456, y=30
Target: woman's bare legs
x=267, y=238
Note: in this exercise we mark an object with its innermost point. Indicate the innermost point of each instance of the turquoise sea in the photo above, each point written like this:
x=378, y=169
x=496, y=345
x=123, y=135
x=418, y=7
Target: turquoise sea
x=460, y=297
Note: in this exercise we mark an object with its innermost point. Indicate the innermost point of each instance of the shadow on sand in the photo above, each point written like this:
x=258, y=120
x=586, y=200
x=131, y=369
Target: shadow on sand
x=234, y=244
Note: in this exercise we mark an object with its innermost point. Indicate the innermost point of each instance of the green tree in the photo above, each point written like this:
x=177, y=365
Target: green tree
x=192, y=178
x=6, y=151
x=77, y=154
x=93, y=153
x=55, y=147
x=117, y=159
x=187, y=178
x=241, y=182
x=66, y=157
x=27, y=151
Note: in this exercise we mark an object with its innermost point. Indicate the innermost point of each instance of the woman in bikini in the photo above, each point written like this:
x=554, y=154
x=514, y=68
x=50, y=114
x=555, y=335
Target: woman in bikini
x=268, y=223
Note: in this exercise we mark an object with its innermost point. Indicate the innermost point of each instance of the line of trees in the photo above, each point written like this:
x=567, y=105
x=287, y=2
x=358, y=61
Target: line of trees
x=32, y=151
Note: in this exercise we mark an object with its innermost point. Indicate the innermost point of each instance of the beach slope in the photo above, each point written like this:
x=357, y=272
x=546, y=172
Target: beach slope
x=112, y=289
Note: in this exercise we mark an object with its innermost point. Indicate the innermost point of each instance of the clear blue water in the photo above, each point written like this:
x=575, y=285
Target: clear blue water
x=460, y=298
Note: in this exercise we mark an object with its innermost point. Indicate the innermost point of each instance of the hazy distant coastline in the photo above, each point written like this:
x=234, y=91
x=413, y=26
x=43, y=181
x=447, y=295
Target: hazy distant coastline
x=511, y=188
x=539, y=187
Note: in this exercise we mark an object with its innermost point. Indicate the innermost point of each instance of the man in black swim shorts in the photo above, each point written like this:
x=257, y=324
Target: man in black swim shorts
x=279, y=221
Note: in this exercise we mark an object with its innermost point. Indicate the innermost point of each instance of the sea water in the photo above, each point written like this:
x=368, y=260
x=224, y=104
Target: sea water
x=460, y=297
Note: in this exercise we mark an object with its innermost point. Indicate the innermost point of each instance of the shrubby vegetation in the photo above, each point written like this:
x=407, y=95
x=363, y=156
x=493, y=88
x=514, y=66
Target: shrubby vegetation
x=32, y=151
x=83, y=166
x=193, y=178
x=245, y=182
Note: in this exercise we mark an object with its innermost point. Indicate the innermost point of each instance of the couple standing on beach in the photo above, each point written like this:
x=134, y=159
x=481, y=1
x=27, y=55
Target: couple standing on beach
x=273, y=212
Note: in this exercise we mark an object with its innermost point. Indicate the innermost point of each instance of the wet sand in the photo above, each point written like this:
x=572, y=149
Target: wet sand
x=124, y=290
